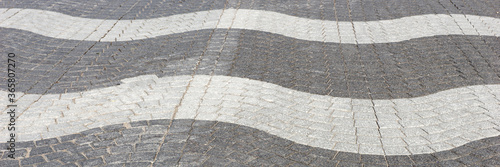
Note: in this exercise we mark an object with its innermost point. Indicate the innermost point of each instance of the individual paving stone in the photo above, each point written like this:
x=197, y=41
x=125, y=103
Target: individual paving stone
x=348, y=163
x=375, y=160
x=57, y=155
x=139, y=123
x=70, y=165
x=412, y=68
x=82, y=148
x=495, y=161
x=65, y=146
x=47, y=142
x=122, y=149
x=81, y=72
x=19, y=153
x=398, y=160
x=237, y=151
x=323, y=162
x=444, y=155
x=132, y=131
x=151, y=138
x=156, y=130
x=96, y=153
x=102, y=144
x=92, y=162
x=192, y=159
x=26, y=144
x=146, y=147
x=72, y=158
x=196, y=147
x=50, y=164
x=127, y=139
x=109, y=136
x=116, y=158
x=169, y=156
x=160, y=122
x=93, y=131
x=9, y=163
x=351, y=157
x=110, y=128
x=69, y=137
x=422, y=159
x=137, y=164
x=32, y=160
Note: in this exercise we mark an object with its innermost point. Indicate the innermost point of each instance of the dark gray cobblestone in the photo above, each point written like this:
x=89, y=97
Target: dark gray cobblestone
x=379, y=71
x=229, y=144
x=341, y=10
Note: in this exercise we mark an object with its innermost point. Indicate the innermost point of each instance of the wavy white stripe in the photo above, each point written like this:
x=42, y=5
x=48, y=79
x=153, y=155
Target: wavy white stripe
x=427, y=124
x=63, y=26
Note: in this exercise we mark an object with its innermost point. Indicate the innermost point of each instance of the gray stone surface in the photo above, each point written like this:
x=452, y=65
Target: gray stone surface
x=212, y=143
x=448, y=119
x=342, y=10
x=281, y=83
x=379, y=71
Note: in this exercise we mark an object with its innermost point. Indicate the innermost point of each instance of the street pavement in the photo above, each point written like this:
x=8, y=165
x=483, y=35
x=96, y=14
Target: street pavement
x=252, y=83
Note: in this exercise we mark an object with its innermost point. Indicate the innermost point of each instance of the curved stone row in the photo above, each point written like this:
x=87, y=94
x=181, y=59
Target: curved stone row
x=57, y=25
x=341, y=10
x=210, y=143
x=378, y=71
x=426, y=124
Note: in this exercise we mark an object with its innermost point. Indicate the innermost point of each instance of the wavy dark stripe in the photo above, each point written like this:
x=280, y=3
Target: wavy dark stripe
x=325, y=10
x=190, y=142
x=380, y=71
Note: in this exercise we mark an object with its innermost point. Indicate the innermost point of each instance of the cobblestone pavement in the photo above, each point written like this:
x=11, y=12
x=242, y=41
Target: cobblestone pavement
x=252, y=83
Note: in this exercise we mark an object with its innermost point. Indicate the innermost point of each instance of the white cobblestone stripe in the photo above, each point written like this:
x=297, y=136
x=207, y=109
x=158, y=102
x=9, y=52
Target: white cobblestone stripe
x=427, y=124
x=57, y=25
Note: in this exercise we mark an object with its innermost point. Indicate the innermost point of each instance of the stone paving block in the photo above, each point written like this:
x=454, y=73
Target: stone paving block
x=40, y=150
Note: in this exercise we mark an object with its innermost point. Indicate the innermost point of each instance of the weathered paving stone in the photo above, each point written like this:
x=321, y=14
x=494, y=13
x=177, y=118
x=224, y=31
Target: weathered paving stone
x=92, y=162
x=72, y=158
x=57, y=155
x=96, y=153
x=232, y=151
x=50, y=164
x=69, y=137
x=109, y=136
x=46, y=142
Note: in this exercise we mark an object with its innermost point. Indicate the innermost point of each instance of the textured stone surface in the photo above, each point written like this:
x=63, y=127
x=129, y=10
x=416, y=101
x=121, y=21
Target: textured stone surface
x=212, y=143
x=425, y=124
x=384, y=31
x=381, y=71
x=253, y=83
x=343, y=10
